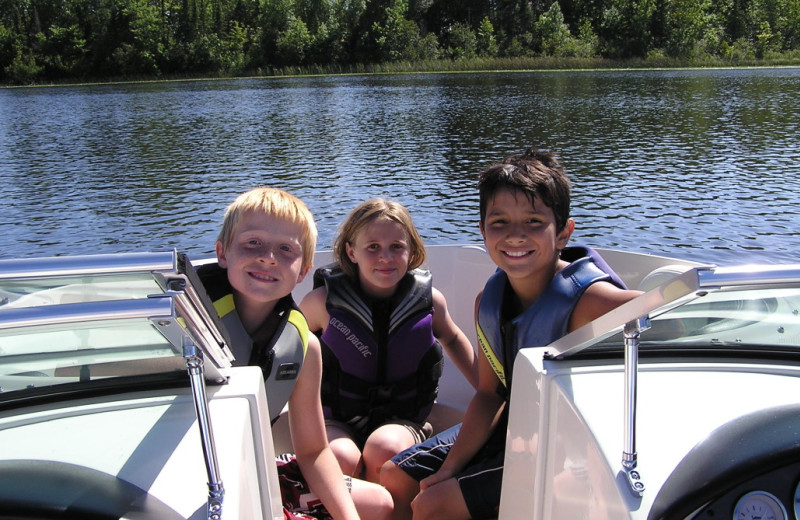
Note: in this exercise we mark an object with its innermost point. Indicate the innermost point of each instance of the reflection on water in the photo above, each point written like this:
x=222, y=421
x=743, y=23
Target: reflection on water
x=701, y=164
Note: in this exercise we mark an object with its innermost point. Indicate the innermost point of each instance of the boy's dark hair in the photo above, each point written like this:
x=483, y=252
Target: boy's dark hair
x=537, y=174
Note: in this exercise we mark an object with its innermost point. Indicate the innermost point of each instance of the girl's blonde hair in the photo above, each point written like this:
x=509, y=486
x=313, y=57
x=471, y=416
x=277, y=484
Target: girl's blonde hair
x=366, y=213
x=278, y=204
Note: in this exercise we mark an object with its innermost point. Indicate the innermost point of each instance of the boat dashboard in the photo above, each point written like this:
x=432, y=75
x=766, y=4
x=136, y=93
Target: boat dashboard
x=748, y=469
x=710, y=359
x=115, y=351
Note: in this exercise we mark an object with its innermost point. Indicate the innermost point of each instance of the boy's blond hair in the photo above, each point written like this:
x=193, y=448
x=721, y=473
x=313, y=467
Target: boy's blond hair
x=278, y=204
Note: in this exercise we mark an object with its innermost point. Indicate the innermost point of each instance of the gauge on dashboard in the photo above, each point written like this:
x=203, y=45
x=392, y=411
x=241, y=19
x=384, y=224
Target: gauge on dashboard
x=797, y=502
x=760, y=505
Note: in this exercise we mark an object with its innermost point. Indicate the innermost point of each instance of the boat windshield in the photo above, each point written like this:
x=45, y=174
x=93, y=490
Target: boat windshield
x=744, y=308
x=91, y=318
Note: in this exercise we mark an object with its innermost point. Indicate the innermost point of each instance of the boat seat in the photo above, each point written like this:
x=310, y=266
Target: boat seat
x=661, y=275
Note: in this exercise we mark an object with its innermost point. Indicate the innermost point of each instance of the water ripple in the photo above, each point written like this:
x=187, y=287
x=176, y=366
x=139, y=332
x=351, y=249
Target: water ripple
x=701, y=164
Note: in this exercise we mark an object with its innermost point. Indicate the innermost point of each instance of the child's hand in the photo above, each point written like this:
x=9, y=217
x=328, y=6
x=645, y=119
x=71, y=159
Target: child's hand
x=439, y=476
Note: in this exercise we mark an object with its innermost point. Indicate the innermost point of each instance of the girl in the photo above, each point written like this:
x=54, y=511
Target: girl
x=382, y=327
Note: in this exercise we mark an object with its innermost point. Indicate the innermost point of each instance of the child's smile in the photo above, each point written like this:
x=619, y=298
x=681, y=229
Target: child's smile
x=264, y=260
x=521, y=236
x=381, y=253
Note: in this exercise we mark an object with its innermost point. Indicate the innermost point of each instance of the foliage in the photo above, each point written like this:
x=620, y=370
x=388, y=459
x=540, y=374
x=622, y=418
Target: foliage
x=55, y=40
x=485, y=39
x=461, y=42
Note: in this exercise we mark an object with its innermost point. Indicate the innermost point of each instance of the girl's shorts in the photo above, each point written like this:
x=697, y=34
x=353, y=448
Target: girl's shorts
x=419, y=432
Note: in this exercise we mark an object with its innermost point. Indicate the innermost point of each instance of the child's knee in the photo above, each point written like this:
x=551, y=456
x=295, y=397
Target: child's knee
x=393, y=478
x=373, y=501
x=442, y=500
x=387, y=472
x=348, y=455
x=424, y=508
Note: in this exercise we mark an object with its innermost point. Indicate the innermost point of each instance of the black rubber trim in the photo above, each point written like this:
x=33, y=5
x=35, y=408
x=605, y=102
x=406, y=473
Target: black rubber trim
x=734, y=453
x=46, y=489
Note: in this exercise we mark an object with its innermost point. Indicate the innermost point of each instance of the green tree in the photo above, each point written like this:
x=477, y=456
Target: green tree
x=334, y=41
x=789, y=24
x=392, y=36
x=553, y=33
x=314, y=13
x=274, y=22
x=486, y=41
x=145, y=48
x=460, y=42
x=63, y=51
x=294, y=42
x=514, y=17
x=625, y=28
x=685, y=26
x=17, y=63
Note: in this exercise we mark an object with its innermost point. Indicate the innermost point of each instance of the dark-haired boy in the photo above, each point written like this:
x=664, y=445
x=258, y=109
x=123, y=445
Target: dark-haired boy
x=539, y=293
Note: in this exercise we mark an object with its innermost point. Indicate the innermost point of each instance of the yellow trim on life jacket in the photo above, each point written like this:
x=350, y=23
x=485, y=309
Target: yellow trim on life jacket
x=297, y=319
x=224, y=305
x=498, y=368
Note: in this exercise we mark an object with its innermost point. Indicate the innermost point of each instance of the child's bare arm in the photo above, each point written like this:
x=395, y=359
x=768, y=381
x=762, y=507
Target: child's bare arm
x=317, y=462
x=455, y=342
x=480, y=421
x=313, y=308
x=599, y=298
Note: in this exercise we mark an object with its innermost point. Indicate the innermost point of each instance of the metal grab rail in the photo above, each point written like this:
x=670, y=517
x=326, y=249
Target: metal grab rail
x=748, y=275
x=216, y=491
x=632, y=332
x=67, y=313
x=87, y=264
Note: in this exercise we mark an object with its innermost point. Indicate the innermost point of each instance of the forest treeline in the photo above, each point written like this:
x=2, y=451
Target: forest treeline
x=56, y=40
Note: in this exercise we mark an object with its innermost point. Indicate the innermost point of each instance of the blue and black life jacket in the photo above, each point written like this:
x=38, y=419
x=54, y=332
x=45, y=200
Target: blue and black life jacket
x=544, y=321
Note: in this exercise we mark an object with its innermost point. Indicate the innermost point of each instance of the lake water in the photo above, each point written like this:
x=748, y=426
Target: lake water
x=702, y=164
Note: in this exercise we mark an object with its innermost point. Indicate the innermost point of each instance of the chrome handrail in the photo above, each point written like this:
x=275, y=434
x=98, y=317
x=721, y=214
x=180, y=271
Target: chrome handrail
x=216, y=490
x=632, y=332
x=87, y=264
x=66, y=313
x=748, y=275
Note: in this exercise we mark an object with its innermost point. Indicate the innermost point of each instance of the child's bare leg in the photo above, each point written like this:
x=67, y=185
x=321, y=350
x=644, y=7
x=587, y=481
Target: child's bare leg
x=345, y=450
x=383, y=444
x=372, y=501
x=402, y=487
x=443, y=501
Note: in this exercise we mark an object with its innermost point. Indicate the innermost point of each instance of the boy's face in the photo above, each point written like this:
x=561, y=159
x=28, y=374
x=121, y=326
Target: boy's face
x=264, y=259
x=521, y=237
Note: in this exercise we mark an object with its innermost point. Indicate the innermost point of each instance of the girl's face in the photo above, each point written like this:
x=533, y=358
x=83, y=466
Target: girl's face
x=381, y=252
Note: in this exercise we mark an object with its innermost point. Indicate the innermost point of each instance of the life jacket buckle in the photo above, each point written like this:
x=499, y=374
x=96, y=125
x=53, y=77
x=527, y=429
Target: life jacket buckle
x=380, y=394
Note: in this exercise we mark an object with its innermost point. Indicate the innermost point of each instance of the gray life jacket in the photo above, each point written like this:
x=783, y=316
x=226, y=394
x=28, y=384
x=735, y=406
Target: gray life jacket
x=278, y=346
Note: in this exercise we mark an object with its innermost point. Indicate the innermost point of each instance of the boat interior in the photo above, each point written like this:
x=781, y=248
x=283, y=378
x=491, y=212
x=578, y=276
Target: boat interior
x=116, y=381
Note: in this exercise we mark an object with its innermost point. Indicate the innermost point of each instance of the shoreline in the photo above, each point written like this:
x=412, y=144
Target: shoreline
x=494, y=65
